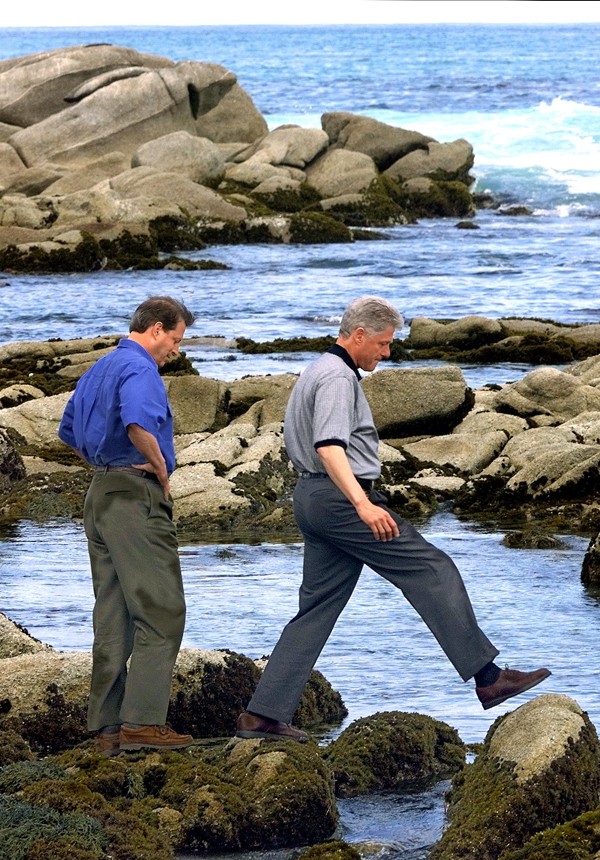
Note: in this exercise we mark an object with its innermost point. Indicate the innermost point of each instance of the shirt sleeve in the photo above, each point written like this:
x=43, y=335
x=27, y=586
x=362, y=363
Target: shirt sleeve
x=143, y=400
x=65, y=430
x=333, y=412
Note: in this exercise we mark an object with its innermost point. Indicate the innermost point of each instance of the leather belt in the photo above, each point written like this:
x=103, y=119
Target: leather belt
x=129, y=470
x=365, y=483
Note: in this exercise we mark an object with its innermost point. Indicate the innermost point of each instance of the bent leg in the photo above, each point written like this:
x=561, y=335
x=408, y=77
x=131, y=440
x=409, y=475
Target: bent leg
x=426, y=575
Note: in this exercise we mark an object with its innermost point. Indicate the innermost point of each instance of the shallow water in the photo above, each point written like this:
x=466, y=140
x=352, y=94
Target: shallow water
x=529, y=602
x=380, y=656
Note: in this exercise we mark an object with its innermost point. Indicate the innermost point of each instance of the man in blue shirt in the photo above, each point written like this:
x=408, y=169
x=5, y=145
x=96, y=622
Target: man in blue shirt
x=120, y=422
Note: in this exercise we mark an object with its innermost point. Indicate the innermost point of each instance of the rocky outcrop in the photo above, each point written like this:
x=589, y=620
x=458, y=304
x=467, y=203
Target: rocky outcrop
x=531, y=445
x=44, y=692
x=393, y=751
x=539, y=767
x=103, y=136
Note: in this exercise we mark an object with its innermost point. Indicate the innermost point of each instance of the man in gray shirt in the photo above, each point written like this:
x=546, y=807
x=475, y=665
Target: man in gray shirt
x=333, y=443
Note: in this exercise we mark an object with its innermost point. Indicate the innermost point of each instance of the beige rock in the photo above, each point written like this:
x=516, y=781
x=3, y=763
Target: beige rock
x=196, y=200
x=20, y=211
x=89, y=175
x=35, y=86
x=196, y=158
x=534, y=735
x=405, y=402
x=194, y=401
x=439, y=161
x=486, y=422
x=11, y=165
x=384, y=143
x=291, y=145
x=341, y=171
x=15, y=640
x=235, y=118
x=36, y=420
x=467, y=452
x=13, y=395
x=426, y=332
x=548, y=391
x=197, y=491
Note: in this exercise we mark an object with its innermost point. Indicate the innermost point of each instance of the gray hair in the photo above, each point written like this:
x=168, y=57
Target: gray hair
x=371, y=313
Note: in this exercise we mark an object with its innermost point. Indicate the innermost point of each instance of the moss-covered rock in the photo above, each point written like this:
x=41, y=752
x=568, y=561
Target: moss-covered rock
x=393, y=750
x=307, y=228
x=127, y=251
x=539, y=767
x=334, y=850
x=577, y=840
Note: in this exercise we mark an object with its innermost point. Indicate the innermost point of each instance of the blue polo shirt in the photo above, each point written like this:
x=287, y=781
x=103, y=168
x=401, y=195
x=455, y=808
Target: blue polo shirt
x=122, y=388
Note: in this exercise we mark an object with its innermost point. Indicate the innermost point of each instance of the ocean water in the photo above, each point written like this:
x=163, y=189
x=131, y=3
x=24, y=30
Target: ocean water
x=522, y=95
x=528, y=100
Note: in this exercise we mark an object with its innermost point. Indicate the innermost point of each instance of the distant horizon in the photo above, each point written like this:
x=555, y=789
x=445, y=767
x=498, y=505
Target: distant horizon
x=64, y=14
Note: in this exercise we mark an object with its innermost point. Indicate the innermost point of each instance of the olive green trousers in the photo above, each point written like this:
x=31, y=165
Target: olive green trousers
x=139, y=610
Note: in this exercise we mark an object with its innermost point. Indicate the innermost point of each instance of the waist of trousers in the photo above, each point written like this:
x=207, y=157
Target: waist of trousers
x=129, y=470
x=366, y=483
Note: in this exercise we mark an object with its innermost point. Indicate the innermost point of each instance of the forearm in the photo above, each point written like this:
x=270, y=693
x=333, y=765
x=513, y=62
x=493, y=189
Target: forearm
x=337, y=466
x=149, y=448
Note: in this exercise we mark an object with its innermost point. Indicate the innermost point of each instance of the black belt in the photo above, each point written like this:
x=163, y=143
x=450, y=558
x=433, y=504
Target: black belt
x=365, y=483
x=129, y=470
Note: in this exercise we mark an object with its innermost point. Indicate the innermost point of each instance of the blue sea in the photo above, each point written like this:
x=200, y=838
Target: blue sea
x=528, y=99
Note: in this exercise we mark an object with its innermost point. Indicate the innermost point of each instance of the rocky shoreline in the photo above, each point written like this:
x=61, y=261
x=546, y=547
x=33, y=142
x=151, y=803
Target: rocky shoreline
x=115, y=159
x=525, y=454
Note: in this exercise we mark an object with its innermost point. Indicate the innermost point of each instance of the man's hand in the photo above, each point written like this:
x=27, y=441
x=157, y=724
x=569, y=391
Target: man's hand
x=380, y=521
x=148, y=446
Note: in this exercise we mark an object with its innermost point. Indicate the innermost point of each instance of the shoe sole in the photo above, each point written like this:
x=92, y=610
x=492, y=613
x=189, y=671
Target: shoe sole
x=500, y=699
x=269, y=736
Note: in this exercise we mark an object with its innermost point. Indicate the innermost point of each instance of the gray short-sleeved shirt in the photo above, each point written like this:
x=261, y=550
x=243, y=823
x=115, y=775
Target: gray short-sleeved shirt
x=328, y=404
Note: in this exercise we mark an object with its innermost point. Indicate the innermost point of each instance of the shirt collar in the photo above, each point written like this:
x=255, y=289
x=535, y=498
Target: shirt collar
x=342, y=353
x=126, y=343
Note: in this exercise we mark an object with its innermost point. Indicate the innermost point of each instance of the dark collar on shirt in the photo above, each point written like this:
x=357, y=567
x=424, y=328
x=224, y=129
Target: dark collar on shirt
x=338, y=350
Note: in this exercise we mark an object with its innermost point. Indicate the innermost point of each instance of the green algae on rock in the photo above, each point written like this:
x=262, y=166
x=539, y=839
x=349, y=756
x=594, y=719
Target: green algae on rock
x=539, y=767
x=392, y=750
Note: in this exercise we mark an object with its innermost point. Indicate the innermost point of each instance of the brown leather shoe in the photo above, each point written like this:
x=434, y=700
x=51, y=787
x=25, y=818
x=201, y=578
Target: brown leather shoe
x=253, y=726
x=153, y=737
x=510, y=682
x=107, y=743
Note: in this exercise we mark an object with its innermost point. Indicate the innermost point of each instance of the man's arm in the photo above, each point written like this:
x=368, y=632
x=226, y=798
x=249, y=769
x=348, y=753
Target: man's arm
x=336, y=464
x=148, y=446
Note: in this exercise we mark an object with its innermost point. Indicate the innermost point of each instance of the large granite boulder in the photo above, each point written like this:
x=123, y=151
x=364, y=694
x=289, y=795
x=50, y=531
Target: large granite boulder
x=539, y=767
x=467, y=453
x=384, y=143
x=428, y=400
x=196, y=158
x=36, y=86
x=119, y=115
x=235, y=118
x=341, y=171
x=291, y=145
x=550, y=393
x=445, y=161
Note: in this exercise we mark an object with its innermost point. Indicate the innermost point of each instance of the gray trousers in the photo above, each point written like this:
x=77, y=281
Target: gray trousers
x=139, y=610
x=336, y=546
